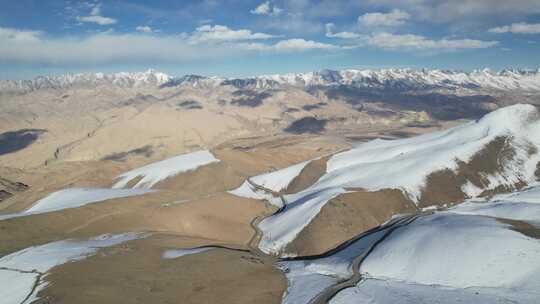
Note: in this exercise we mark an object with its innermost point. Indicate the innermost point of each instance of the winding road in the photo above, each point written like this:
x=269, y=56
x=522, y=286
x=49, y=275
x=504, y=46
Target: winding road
x=326, y=295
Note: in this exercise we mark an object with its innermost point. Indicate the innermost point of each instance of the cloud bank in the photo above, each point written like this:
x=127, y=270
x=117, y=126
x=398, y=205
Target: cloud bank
x=517, y=28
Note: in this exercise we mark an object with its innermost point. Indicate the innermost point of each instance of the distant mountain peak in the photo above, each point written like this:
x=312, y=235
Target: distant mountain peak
x=403, y=79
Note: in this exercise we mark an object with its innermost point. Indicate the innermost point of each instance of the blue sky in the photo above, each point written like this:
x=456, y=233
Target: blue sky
x=242, y=38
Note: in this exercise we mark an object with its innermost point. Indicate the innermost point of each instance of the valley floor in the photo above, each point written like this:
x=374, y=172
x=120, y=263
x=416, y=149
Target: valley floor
x=446, y=217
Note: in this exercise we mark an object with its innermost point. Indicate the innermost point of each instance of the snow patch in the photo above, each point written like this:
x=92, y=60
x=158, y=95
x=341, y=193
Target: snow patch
x=37, y=260
x=176, y=253
x=73, y=198
x=153, y=173
x=282, y=228
x=276, y=181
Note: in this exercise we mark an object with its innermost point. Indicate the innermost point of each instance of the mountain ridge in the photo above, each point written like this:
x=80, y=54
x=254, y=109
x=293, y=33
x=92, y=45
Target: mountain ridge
x=395, y=79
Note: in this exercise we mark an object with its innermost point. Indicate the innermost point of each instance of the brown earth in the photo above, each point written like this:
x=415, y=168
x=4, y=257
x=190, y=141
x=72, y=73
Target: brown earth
x=348, y=215
x=44, y=180
x=308, y=176
x=522, y=227
x=444, y=187
x=222, y=219
x=135, y=272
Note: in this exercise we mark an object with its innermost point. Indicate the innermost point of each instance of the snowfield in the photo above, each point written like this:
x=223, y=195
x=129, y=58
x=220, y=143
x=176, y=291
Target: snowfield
x=73, y=198
x=20, y=270
x=375, y=291
x=153, y=173
x=438, y=258
x=282, y=228
x=458, y=251
x=405, y=164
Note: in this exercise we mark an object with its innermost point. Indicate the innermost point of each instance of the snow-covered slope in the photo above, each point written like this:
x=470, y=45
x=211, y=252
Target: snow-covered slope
x=377, y=291
x=156, y=172
x=22, y=272
x=405, y=164
x=523, y=205
x=275, y=181
x=435, y=258
x=73, y=198
x=476, y=250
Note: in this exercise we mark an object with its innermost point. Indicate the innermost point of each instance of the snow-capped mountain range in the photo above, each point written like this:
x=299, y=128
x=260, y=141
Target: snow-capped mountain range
x=394, y=79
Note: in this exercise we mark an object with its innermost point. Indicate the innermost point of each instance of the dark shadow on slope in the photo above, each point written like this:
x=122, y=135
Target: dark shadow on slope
x=9, y=188
x=307, y=125
x=145, y=151
x=248, y=98
x=310, y=107
x=13, y=141
x=291, y=110
x=437, y=105
x=190, y=105
x=522, y=227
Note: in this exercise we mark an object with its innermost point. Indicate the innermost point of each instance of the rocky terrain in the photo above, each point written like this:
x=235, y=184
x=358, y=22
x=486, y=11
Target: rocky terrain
x=328, y=187
x=82, y=117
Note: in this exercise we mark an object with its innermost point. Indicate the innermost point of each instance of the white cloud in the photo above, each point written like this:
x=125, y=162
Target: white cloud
x=518, y=28
x=394, y=18
x=32, y=47
x=292, y=45
x=343, y=35
x=15, y=35
x=144, y=29
x=417, y=42
x=95, y=17
x=439, y=11
x=301, y=45
x=267, y=8
x=220, y=33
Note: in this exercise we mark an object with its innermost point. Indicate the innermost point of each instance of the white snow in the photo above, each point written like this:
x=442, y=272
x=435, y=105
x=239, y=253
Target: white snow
x=282, y=228
x=280, y=179
x=439, y=258
x=16, y=285
x=375, y=291
x=276, y=181
x=73, y=198
x=458, y=251
x=530, y=195
x=153, y=173
x=404, y=79
x=405, y=164
x=523, y=205
x=304, y=285
x=409, y=79
x=175, y=253
x=501, y=209
x=307, y=278
x=249, y=191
